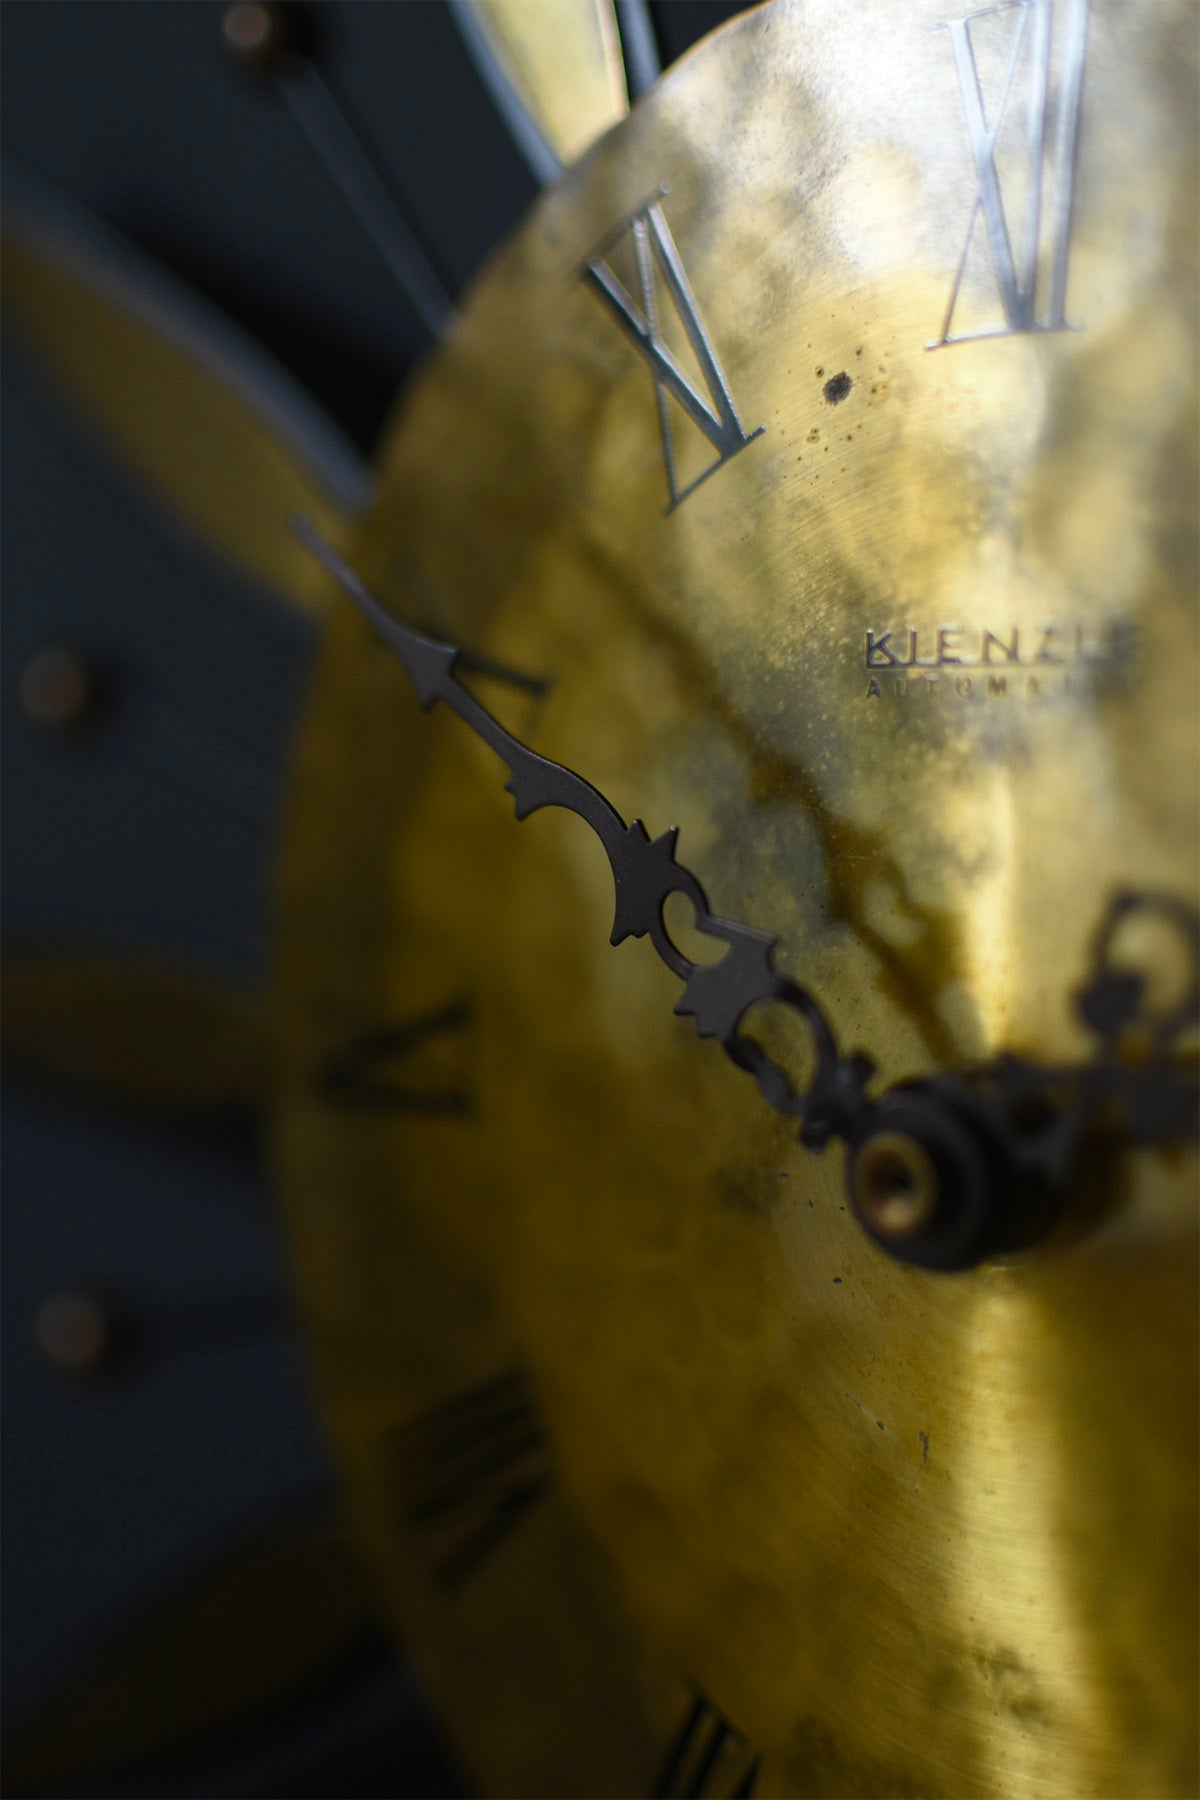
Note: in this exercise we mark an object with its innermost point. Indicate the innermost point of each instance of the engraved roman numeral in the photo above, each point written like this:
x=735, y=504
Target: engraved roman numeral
x=470, y=1470
x=369, y=1073
x=713, y=411
x=707, y=1756
x=1020, y=281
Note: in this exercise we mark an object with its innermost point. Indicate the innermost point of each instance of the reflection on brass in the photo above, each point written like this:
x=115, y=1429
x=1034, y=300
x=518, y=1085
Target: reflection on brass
x=913, y=1533
x=895, y=1185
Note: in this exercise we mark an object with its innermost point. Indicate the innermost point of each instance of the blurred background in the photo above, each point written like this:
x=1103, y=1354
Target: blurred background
x=168, y=1502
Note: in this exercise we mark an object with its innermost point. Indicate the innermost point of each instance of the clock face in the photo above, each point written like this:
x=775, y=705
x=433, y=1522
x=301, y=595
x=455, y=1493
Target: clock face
x=812, y=472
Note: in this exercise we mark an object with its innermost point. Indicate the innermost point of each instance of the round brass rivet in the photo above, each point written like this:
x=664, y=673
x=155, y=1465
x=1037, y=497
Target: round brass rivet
x=58, y=689
x=895, y=1185
x=73, y=1331
x=262, y=33
x=247, y=27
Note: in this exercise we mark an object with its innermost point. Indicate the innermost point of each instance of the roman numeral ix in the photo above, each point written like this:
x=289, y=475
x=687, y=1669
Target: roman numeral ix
x=713, y=411
x=369, y=1073
x=1032, y=299
x=707, y=1757
x=468, y=1472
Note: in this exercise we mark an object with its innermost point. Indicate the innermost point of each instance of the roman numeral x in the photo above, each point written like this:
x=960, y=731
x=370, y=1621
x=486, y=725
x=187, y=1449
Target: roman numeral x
x=714, y=412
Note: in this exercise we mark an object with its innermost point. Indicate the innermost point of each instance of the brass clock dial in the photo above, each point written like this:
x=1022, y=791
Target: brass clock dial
x=814, y=472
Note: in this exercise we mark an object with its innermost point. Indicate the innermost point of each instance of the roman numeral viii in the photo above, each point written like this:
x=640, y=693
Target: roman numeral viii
x=707, y=1757
x=468, y=1472
x=1046, y=47
x=712, y=411
x=382, y=1071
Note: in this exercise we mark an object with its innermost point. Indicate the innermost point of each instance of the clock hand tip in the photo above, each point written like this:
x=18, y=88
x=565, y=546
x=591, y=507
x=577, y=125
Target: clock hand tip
x=303, y=528
x=430, y=664
x=337, y=566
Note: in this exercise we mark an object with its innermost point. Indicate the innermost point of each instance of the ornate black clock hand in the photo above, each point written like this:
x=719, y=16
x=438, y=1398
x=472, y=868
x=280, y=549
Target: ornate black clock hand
x=943, y=1172
x=645, y=872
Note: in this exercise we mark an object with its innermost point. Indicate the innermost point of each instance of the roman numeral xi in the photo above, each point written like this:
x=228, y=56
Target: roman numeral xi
x=1046, y=47
x=712, y=411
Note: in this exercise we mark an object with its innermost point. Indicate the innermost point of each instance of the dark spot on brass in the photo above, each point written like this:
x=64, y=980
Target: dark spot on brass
x=837, y=387
x=752, y=1195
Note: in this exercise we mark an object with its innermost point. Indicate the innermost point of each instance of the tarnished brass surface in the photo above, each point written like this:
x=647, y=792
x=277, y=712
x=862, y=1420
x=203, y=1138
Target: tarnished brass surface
x=911, y=1533
x=563, y=58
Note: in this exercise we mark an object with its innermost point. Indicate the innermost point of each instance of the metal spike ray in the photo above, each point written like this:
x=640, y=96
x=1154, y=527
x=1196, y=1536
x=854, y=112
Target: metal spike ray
x=273, y=41
x=178, y=398
x=1001, y=1179
x=639, y=50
